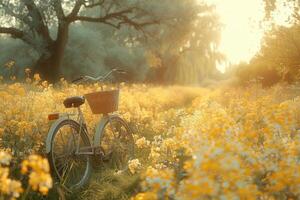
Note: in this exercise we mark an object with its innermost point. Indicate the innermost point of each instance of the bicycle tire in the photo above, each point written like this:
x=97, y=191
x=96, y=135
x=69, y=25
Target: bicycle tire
x=113, y=150
x=54, y=166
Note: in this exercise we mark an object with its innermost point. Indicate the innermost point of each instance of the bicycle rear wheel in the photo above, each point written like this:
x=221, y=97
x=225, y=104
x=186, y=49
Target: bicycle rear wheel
x=72, y=170
x=117, y=144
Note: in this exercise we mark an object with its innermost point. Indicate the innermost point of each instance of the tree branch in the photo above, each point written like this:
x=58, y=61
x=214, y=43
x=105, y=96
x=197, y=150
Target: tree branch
x=296, y=15
x=90, y=19
x=136, y=25
x=15, y=33
x=58, y=9
x=36, y=15
x=123, y=20
x=104, y=18
x=115, y=19
x=75, y=10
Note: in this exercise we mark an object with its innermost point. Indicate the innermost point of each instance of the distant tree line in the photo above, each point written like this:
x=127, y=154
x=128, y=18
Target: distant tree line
x=279, y=57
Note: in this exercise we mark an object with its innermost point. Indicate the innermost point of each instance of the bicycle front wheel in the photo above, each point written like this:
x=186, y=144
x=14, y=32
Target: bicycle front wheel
x=117, y=144
x=72, y=169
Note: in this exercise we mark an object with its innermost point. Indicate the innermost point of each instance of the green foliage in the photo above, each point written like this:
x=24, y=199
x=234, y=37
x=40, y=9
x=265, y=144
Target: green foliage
x=187, y=45
x=278, y=59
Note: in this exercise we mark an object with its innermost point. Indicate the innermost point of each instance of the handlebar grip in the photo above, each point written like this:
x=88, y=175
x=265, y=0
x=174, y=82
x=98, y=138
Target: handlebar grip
x=78, y=79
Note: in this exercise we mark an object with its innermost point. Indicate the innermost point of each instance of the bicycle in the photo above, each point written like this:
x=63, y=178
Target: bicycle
x=69, y=147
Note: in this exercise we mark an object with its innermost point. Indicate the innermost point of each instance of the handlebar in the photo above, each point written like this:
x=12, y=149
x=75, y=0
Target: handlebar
x=77, y=79
x=99, y=78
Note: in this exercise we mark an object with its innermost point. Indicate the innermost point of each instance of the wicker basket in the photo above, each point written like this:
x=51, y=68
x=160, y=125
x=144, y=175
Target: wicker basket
x=103, y=102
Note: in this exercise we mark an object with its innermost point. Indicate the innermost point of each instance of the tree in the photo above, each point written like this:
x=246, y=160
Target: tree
x=278, y=59
x=185, y=48
x=270, y=6
x=31, y=21
x=279, y=56
x=281, y=51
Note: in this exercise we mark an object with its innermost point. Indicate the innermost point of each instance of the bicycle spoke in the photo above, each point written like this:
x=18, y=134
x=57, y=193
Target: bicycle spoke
x=66, y=172
x=61, y=156
x=76, y=171
x=63, y=169
x=112, y=128
x=72, y=172
x=63, y=165
x=121, y=133
x=62, y=138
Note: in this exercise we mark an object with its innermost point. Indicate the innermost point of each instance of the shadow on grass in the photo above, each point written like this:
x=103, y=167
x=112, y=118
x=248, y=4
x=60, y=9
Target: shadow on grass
x=108, y=185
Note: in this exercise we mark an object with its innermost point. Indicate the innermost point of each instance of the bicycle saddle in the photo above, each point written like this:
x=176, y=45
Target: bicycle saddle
x=74, y=101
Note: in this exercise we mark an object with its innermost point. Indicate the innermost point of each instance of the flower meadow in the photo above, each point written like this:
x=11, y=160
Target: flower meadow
x=191, y=142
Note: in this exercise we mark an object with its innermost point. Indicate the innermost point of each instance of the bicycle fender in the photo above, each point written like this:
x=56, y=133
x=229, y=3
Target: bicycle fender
x=100, y=127
x=51, y=132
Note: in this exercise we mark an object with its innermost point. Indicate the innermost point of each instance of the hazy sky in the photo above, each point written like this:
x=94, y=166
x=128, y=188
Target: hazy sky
x=242, y=33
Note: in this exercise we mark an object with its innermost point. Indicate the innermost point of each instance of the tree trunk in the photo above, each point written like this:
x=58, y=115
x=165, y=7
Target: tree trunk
x=50, y=62
x=48, y=66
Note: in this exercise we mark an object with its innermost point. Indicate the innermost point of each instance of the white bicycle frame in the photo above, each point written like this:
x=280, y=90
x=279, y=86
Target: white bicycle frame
x=97, y=136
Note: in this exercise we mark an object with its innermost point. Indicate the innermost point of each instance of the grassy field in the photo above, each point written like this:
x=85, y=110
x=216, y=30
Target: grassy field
x=192, y=143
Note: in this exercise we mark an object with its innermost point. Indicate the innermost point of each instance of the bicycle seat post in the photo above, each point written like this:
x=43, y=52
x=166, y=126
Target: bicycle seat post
x=80, y=116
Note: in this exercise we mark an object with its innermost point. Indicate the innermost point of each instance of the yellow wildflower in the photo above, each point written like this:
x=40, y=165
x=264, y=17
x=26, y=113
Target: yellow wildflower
x=134, y=165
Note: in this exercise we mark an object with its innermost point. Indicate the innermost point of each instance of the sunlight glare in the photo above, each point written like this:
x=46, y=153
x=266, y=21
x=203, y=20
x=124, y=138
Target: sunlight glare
x=241, y=32
x=283, y=13
x=242, y=29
